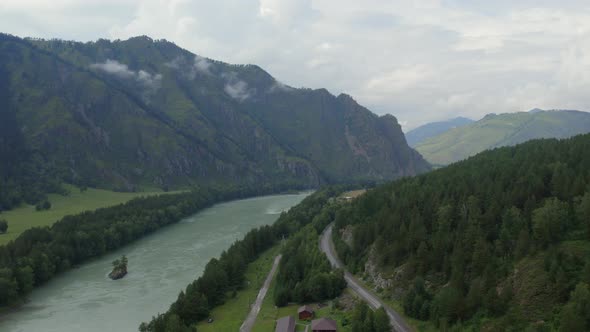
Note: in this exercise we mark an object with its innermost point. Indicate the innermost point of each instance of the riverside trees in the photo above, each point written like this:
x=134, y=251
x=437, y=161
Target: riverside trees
x=40, y=253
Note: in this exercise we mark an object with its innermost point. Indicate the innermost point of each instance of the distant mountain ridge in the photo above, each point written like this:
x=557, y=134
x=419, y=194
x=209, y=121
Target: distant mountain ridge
x=147, y=113
x=432, y=129
x=496, y=130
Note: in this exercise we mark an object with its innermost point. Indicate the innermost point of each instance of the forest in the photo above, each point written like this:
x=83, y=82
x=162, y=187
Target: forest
x=25, y=176
x=40, y=253
x=224, y=276
x=305, y=274
x=500, y=241
x=366, y=320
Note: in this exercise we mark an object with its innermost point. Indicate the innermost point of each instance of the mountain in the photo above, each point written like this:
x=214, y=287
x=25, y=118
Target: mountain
x=419, y=134
x=498, y=242
x=144, y=113
x=496, y=130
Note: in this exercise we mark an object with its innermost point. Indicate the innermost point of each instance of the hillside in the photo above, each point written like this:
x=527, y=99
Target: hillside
x=502, y=130
x=424, y=132
x=141, y=113
x=499, y=242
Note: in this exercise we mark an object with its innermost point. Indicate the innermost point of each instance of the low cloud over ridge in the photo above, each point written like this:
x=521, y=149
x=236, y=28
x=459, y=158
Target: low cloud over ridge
x=419, y=60
x=149, y=81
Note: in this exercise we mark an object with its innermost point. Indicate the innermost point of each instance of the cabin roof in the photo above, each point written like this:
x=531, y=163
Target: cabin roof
x=304, y=308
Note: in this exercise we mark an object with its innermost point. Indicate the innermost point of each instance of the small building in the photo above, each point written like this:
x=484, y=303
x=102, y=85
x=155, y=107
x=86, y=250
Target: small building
x=305, y=312
x=285, y=324
x=324, y=325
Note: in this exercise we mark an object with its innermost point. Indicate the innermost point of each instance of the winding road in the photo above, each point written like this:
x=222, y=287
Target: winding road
x=251, y=319
x=327, y=247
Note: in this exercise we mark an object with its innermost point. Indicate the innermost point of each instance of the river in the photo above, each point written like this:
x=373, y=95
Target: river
x=160, y=265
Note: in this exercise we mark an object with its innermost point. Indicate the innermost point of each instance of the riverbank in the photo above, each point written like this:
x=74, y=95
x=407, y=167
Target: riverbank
x=231, y=315
x=160, y=265
x=26, y=216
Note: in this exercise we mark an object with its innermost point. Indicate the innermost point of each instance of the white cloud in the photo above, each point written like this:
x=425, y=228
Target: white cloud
x=151, y=82
x=400, y=79
x=202, y=65
x=236, y=88
x=190, y=69
x=287, y=13
x=419, y=60
x=279, y=86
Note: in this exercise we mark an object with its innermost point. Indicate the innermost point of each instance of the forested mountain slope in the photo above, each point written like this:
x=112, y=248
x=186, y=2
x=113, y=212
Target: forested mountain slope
x=502, y=130
x=498, y=242
x=424, y=132
x=144, y=113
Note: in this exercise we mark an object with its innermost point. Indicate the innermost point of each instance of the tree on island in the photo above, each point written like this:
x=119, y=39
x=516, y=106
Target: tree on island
x=3, y=226
x=119, y=268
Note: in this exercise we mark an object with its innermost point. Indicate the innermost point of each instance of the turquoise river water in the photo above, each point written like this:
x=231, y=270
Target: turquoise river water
x=160, y=265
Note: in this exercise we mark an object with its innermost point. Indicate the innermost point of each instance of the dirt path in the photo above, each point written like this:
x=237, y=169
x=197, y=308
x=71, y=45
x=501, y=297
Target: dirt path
x=251, y=319
x=327, y=247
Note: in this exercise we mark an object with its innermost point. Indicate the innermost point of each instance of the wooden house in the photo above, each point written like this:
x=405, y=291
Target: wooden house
x=305, y=312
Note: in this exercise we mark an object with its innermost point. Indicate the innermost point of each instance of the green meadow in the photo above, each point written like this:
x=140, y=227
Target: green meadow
x=231, y=315
x=25, y=216
x=269, y=313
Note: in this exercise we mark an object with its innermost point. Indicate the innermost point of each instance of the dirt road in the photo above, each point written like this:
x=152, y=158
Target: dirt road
x=251, y=319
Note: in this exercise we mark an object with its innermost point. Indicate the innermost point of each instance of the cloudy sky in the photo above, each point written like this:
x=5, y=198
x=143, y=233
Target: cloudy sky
x=418, y=60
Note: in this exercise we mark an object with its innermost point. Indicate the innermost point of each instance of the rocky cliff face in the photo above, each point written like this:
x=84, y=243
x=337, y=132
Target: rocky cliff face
x=127, y=114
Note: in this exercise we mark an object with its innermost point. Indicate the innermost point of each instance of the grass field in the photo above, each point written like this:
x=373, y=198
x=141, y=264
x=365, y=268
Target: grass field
x=269, y=313
x=25, y=217
x=230, y=316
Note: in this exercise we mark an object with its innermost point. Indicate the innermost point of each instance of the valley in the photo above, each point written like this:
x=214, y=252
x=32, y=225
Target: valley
x=291, y=166
x=160, y=265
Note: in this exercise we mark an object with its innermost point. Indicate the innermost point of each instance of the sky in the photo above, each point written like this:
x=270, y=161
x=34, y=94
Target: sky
x=421, y=61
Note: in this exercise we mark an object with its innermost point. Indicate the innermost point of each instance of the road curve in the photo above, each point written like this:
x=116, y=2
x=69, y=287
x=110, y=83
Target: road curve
x=327, y=247
x=251, y=319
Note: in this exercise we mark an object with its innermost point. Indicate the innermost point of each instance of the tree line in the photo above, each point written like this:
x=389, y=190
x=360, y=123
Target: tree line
x=40, y=253
x=225, y=275
x=468, y=240
x=305, y=274
x=366, y=320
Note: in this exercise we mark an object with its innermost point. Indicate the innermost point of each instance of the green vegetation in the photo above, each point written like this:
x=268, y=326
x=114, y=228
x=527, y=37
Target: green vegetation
x=500, y=241
x=269, y=313
x=40, y=253
x=119, y=268
x=126, y=115
x=501, y=130
x=226, y=275
x=433, y=129
x=398, y=306
x=305, y=274
x=43, y=205
x=76, y=201
x=365, y=320
x=3, y=226
x=231, y=315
